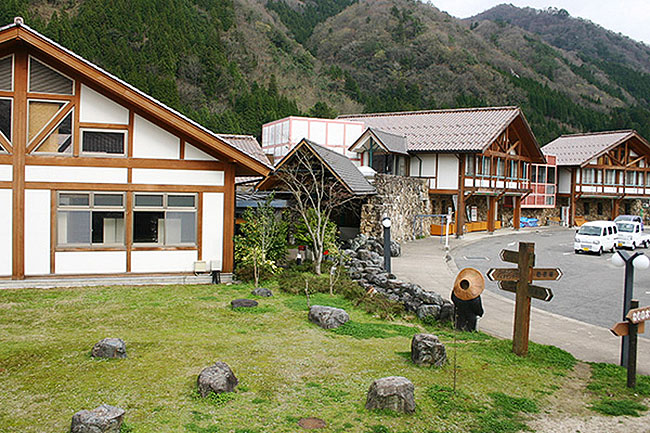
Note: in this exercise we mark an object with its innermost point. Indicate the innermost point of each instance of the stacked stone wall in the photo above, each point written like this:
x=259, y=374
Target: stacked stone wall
x=399, y=198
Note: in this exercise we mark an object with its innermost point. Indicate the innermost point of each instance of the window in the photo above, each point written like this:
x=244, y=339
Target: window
x=7, y=74
x=588, y=175
x=610, y=177
x=5, y=118
x=40, y=114
x=103, y=142
x=164, y=219
x=485, y=170
x=501, y=167
x=470, y=167
x=630, y=178
x=90, y=219
x=551, y=175
x=541, y=174
x=533, y=174
x=524, y=174
x=43, y=79
x=514, y=169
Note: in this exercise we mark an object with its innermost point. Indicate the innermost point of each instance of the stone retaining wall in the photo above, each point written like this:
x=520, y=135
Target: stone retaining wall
x=401, y=199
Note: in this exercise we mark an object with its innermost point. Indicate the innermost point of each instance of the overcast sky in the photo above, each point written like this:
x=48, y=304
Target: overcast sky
x=629, y=17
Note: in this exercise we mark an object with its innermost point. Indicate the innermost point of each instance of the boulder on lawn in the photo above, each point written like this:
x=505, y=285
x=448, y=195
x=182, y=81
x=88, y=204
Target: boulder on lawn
x=109, y=348
x=428, y=312
x=262, y=292
x=217, y=378
x=394, y=393
x=427, y=350
x=103, y=419
x=328, y=317
x=243, y=303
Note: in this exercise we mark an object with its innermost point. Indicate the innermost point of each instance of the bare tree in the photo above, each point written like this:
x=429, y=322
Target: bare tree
x=316, y=193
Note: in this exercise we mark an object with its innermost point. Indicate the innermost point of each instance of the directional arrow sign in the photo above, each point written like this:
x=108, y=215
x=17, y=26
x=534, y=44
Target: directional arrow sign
x=546, y=274
x=638, y=315
x=622, y=329
x=513, y=257
x=533, y=291
x=511, y=274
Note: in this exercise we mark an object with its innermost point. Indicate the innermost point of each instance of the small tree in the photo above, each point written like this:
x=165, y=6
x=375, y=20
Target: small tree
x=316, y=193
x=263, y=240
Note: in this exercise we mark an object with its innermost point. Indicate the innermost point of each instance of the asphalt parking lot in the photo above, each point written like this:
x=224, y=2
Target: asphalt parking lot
x=591, y=289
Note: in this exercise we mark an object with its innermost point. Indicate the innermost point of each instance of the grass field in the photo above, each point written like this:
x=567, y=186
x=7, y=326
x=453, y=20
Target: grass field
x=287, y=367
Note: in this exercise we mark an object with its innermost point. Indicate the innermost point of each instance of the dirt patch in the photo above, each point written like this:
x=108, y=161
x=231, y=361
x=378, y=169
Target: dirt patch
x=568, y=412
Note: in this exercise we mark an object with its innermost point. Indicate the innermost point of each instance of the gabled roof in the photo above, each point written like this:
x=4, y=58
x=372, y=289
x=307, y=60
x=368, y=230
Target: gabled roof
x=339, y=165
x=121, y=90
x=247, y=144
x=391, y=143
x=579, y=149
x=462, y=130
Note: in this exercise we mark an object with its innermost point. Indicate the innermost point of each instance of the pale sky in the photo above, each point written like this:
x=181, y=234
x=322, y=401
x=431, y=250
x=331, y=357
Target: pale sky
x=629, y=17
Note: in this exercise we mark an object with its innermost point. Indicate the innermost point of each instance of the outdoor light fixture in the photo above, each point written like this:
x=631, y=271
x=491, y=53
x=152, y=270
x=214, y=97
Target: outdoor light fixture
x=631, y=262
x=386, y=223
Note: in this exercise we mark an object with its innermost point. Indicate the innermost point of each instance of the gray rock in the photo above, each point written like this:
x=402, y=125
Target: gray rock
x=429, y=297
x=395, y=249
x=427, y=350
x=243, y=303
x=394, y=393
x=217, y=378
x=103, y=419
x=428, y=311
x=363, y=254
x=328, y=317
x=261, y=291
x=446, y=312
x=109, y=348
x=393, y=297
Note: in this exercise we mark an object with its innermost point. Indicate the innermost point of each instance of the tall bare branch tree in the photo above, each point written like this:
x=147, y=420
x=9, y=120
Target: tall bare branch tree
x=317, y=194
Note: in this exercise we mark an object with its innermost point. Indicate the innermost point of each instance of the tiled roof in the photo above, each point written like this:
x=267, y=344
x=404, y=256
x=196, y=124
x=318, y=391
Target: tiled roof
x=246, y=144
x=344, y=169
x=458, y=130
x=579, y=149
x=394, y=143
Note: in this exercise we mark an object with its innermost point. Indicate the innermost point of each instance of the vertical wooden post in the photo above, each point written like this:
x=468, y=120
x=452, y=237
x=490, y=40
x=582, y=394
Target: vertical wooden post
x=572, y=199
x=229, y=218
x=491, y=213
x=19, y=146
x=460, y=212
x=516, y=213
x=615, y=207
x=632, y=348
x=522, y=303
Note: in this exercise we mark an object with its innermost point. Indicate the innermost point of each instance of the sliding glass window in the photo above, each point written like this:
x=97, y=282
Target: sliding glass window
x=164, y=219
x=89, y=219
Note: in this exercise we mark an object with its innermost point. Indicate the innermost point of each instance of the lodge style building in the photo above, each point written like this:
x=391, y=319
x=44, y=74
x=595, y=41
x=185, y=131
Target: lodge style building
x=97, y=178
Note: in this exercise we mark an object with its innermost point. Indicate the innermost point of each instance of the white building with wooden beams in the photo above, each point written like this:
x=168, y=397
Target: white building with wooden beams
x=97, y=178
x=602, y=174
x=478, y=159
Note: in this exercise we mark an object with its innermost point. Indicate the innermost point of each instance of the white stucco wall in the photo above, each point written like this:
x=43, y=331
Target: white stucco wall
x=163, y=261
x=6, y=173
x=447, y=171
x=46, y=173
x=564, y=181
x=177, y=177
x=151, y=141
x=90, y=262
x=96, y=108
x=212, y=240
x=6, y=228
x=37, y=232
x=194, y=154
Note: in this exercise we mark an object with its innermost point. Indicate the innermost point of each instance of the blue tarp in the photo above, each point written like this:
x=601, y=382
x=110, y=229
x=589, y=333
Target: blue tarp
x=528, y=222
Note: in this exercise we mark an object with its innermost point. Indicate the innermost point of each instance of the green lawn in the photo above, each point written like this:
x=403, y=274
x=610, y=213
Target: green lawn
x=287, y=367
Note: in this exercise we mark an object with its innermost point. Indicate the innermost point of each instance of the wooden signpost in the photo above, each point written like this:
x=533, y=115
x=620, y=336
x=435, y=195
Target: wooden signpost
x=634, y=324
x=518, y=280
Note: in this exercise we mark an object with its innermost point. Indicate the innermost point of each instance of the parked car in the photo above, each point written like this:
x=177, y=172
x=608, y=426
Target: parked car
x=631, y=235
x=629, y=218
x=596, y=236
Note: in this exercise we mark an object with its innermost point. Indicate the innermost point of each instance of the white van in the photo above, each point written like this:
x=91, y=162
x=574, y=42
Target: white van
x=631, y=235
x=596, y=236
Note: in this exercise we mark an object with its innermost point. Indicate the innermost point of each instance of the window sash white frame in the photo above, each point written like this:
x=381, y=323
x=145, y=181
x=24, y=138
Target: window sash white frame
x=164, y=209
x=29, y=71
x=124, y=132
x=90, y=207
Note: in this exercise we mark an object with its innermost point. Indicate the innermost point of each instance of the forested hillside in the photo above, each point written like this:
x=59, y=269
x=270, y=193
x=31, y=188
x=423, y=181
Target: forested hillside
x=235, y=64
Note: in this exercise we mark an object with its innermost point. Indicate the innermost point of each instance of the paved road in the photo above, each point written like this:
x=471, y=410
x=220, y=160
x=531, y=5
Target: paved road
x=591, y=289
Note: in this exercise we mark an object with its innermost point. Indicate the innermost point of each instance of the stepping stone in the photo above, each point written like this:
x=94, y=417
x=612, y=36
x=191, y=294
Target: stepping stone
x=243, y=303
x=217, y=378
x=103, y=419
x=312, y=423
x=426, y=349
x=109, y=348
x=260, y=291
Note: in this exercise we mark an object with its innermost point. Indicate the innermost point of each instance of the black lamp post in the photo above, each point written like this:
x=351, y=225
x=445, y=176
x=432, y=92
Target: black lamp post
x=386, y=223
x=636, y=260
